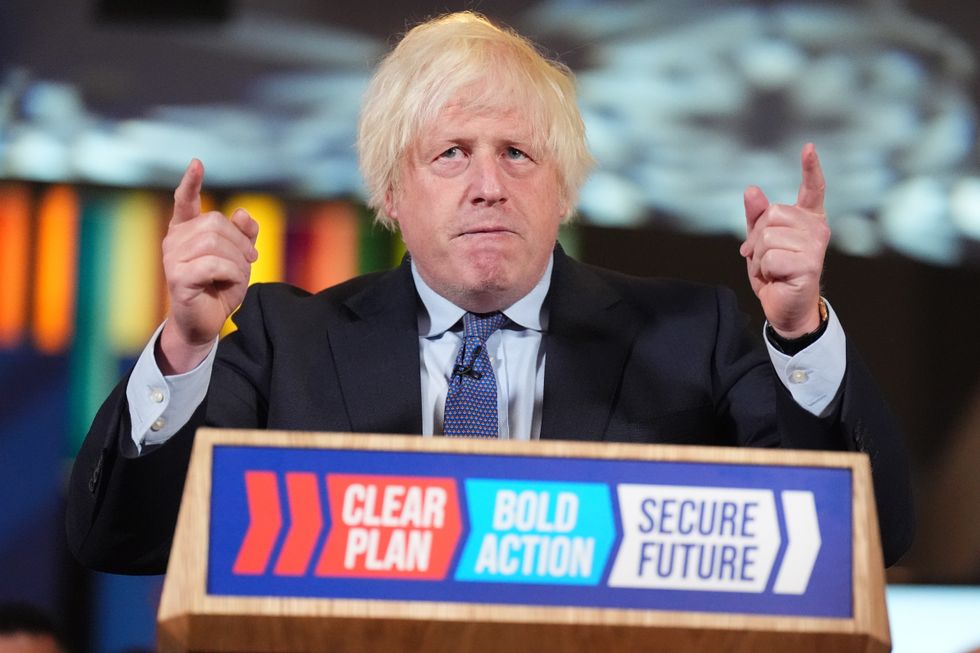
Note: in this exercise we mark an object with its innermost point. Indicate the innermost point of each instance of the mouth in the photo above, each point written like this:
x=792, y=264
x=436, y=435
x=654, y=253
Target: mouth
x=487, y=231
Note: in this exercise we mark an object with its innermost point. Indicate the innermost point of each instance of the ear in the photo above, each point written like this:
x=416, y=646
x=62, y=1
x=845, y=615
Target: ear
x=390, y=209
x=563, y=210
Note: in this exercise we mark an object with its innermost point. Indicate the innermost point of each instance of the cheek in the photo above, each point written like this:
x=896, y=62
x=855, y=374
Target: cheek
x=553, y=209
x=548, y=196
x=420, y=231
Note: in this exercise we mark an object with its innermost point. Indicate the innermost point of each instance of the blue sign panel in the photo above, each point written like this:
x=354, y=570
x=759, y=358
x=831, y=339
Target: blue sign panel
x=708, y=537
x=536, y=532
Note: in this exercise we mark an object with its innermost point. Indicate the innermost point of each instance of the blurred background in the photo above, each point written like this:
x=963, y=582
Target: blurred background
x=103, y=103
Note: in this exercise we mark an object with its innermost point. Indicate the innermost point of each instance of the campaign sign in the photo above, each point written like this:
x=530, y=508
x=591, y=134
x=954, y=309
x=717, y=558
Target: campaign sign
x=528, y=530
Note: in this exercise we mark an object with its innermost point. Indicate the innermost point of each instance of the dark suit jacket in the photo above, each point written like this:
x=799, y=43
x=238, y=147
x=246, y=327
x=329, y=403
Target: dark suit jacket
x=628, y=359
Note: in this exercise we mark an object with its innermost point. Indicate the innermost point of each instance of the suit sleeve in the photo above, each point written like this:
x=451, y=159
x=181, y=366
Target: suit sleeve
x=749, y=394
x=122, y=507
x=868, y=425
x=862, y=422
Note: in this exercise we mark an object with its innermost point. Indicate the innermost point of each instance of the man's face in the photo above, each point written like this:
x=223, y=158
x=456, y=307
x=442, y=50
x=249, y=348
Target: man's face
x=478, y=205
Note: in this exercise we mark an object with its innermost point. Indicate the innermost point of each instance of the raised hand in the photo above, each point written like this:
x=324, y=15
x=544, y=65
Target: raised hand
x=207, y=260
x=784, y=250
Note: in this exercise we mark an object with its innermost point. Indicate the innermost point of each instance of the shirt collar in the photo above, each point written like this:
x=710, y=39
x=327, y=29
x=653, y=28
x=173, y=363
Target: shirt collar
x=440, y=314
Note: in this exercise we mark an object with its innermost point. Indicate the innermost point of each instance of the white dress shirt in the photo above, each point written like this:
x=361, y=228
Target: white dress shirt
x=515, y=352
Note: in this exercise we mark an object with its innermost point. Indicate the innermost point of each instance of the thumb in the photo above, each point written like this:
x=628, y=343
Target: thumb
x=756, y=204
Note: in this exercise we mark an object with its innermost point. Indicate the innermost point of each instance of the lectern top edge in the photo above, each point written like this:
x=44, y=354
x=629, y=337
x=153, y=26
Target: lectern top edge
x=559, y=448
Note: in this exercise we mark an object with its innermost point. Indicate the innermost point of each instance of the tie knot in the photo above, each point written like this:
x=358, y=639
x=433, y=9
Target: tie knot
x=482, y=325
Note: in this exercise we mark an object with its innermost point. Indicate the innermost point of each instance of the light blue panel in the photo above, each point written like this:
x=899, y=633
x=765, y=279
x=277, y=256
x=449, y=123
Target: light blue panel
x=933, y=618
x=537, y=532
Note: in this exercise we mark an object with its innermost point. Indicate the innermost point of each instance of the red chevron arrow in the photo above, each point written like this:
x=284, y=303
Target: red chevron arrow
x=265, y=522
x=306, y=522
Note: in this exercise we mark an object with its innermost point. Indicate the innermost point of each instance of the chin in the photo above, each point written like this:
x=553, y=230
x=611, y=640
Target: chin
x=485, y=279
x=496, y=281
x=485, y=289
x=491, y=270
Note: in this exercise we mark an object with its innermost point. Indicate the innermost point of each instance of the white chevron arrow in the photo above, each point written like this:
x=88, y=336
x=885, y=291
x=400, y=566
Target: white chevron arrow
x=803, y=535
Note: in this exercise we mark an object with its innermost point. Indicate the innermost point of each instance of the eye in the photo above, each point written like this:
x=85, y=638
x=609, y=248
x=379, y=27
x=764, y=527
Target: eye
x=515, y=154
x=452, y=153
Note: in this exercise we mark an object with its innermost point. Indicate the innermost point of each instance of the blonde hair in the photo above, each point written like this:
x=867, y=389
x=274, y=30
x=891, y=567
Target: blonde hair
x=431, y=67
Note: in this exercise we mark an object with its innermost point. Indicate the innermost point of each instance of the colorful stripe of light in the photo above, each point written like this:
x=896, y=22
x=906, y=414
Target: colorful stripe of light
x=55, y=269
x=331, y=243
x=135, y=274
x=94, y=367
x=379, y=248
x=15, y=209
x=270, y=213
x=332, y=238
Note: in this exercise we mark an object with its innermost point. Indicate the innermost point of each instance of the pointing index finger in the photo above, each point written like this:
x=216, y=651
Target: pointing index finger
x=812, y=188
x=187, y=197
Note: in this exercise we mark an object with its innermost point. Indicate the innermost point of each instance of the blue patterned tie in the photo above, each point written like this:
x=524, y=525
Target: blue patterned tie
x=471, y=403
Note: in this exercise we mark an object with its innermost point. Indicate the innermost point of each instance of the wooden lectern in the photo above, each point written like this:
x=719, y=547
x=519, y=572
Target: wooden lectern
x=306, y=542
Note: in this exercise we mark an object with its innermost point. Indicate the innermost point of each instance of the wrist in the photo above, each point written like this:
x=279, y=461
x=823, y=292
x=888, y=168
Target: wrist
x=793, y=344
x=175, y=354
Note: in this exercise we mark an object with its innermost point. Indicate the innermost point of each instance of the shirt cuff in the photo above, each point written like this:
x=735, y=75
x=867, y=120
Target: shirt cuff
x=814, y=375
x=160, y=405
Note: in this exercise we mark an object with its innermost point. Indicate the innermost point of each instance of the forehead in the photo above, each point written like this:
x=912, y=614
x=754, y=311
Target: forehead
x=462, y=115
x=499, y=121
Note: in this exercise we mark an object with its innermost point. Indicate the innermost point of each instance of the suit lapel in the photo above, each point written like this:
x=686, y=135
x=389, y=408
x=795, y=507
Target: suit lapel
x=589, y=336
x=376, y=352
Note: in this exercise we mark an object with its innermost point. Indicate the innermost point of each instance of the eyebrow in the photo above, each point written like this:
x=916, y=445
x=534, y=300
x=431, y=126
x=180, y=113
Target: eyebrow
x=447, y=142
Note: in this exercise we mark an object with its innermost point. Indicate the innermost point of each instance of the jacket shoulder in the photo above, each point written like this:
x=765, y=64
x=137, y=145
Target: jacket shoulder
x=284, y=300
x=646, y=294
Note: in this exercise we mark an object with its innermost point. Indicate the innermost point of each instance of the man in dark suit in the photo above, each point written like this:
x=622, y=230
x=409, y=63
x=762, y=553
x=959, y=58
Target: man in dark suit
x=472, y=145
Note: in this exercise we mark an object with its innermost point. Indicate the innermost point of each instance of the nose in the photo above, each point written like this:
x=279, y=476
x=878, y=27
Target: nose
x=487, y=188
